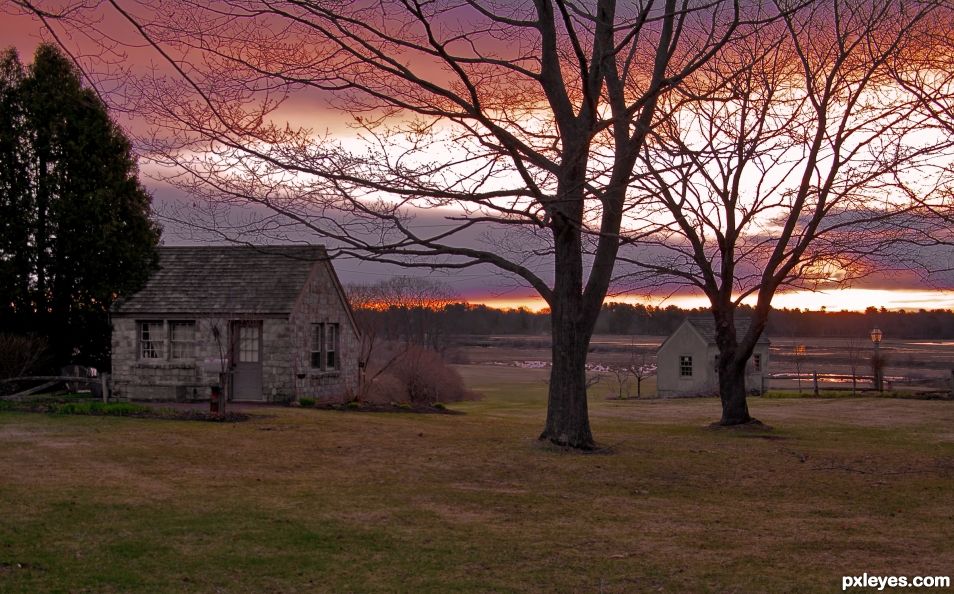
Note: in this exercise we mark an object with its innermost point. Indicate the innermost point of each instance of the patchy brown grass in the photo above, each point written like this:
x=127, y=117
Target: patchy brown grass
x=309, y=500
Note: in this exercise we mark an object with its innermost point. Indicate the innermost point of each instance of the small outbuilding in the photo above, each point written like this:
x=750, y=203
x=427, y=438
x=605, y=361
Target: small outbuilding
x=686, y=361
x=268, y=323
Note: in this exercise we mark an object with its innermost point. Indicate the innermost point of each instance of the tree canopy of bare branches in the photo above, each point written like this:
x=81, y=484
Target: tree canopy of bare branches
x=792, y=158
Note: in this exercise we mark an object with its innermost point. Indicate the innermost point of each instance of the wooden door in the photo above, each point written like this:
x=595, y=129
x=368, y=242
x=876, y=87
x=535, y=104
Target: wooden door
x=247, y=360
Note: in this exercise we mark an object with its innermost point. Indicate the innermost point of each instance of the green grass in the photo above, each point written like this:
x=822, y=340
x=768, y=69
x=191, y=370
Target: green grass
x=98, y=408
x=306, y=500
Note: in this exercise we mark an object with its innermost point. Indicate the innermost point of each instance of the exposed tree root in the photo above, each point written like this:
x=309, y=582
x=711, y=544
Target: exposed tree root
x=750, y=425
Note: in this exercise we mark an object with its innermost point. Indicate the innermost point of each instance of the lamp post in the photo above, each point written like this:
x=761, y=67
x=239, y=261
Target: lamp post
x=876, y=336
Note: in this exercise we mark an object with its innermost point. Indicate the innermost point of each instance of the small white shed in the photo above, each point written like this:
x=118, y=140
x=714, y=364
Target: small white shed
x=686, y=361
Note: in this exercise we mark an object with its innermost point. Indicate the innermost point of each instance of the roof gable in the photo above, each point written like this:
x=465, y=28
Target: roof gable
x=683, y=328
x=706, y=327
x=225, y=279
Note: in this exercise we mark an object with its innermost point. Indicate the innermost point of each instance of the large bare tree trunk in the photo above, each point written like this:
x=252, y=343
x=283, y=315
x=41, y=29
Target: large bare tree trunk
x=568, y=421
x=733, y=357
x=735, y=409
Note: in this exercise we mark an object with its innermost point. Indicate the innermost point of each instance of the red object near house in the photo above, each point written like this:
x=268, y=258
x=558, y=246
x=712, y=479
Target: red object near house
x=215, y=399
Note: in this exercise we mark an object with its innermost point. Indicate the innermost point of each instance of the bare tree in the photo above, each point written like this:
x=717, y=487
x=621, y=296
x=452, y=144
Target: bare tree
x=798, y=354
x=636, y=368
x=522, y=120
x=641, y=372
x=788, y=160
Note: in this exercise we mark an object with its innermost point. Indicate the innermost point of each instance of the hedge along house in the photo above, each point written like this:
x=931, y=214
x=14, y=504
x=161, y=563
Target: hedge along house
x=686, y=361
x=273, y=319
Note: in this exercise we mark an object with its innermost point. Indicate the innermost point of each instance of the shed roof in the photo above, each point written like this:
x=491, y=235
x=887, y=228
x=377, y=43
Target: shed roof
x=706, y=327
x=225, y=279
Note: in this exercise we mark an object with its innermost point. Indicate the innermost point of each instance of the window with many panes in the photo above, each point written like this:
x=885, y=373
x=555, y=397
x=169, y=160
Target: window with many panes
x=182, y=340
x=685, y=365
x=757, y=362
x=249, y=343
x=324, y=346
x=151, y=340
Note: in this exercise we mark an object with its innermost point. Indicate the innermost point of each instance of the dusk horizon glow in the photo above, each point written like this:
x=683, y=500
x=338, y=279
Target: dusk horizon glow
x=847, y=299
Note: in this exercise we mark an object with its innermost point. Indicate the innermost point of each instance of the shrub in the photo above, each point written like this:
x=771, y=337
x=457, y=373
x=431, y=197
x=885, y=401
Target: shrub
x=386, y=389
x=306, y=401
x=426, y=378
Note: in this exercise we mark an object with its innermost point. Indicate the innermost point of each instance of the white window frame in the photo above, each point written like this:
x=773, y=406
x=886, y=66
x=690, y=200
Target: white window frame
x=176, y=342
x=685, y=362
x=156, y=345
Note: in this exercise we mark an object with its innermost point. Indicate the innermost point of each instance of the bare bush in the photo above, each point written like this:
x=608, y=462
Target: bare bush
x=427, y=378
x=21, y=355
x=417, y=375
x=384, y=389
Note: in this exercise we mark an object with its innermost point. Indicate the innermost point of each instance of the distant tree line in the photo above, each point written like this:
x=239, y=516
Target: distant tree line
x=404, y=322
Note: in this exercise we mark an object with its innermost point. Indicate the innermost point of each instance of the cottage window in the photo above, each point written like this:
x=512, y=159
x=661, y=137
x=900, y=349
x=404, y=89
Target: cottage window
x=685, y=365
x=150, y=340
x=317, y=344
x=182, y=340
x=324, y=346
x=331, y=347
x=757, y=362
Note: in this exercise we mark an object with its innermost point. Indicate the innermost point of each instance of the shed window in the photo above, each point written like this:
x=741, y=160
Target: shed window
x=757, y=362
x=182, y=340
x=150, y=340
x=685, y=365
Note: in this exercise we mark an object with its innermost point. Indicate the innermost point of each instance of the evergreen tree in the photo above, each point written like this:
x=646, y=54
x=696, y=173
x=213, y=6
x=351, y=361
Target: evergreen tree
x=82, y=231
x=15, y=199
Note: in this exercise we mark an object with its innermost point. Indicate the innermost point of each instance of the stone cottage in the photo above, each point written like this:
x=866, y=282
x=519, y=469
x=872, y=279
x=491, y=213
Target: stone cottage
x=269, y=323
x=686, y=361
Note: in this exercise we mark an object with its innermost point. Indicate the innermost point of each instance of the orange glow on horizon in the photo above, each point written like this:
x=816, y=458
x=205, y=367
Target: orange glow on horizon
x=834, y=300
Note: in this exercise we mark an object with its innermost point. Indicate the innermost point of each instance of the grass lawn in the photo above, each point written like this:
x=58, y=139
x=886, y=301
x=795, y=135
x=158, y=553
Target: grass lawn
x=308, y=500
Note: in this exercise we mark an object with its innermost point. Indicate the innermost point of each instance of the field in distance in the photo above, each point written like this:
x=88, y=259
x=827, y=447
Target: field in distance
x=911, y=364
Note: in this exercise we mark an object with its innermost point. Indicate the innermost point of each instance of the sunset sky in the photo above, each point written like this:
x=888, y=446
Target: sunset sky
x=490, y=286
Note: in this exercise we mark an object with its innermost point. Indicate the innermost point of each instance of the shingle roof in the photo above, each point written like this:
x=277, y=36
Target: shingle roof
x=706, y=327
x=232, y=279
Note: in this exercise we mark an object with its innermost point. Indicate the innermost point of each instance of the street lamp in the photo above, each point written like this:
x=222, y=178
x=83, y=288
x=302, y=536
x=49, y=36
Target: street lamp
x=877, y=365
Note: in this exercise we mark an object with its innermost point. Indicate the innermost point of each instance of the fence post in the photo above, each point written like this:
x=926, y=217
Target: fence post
x=952, y=383
x=104, y=380
x=815, y=380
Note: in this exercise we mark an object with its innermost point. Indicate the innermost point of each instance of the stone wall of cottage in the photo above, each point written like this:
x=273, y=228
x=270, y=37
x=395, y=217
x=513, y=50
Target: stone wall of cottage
x=319, y=302
x=169, y=379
